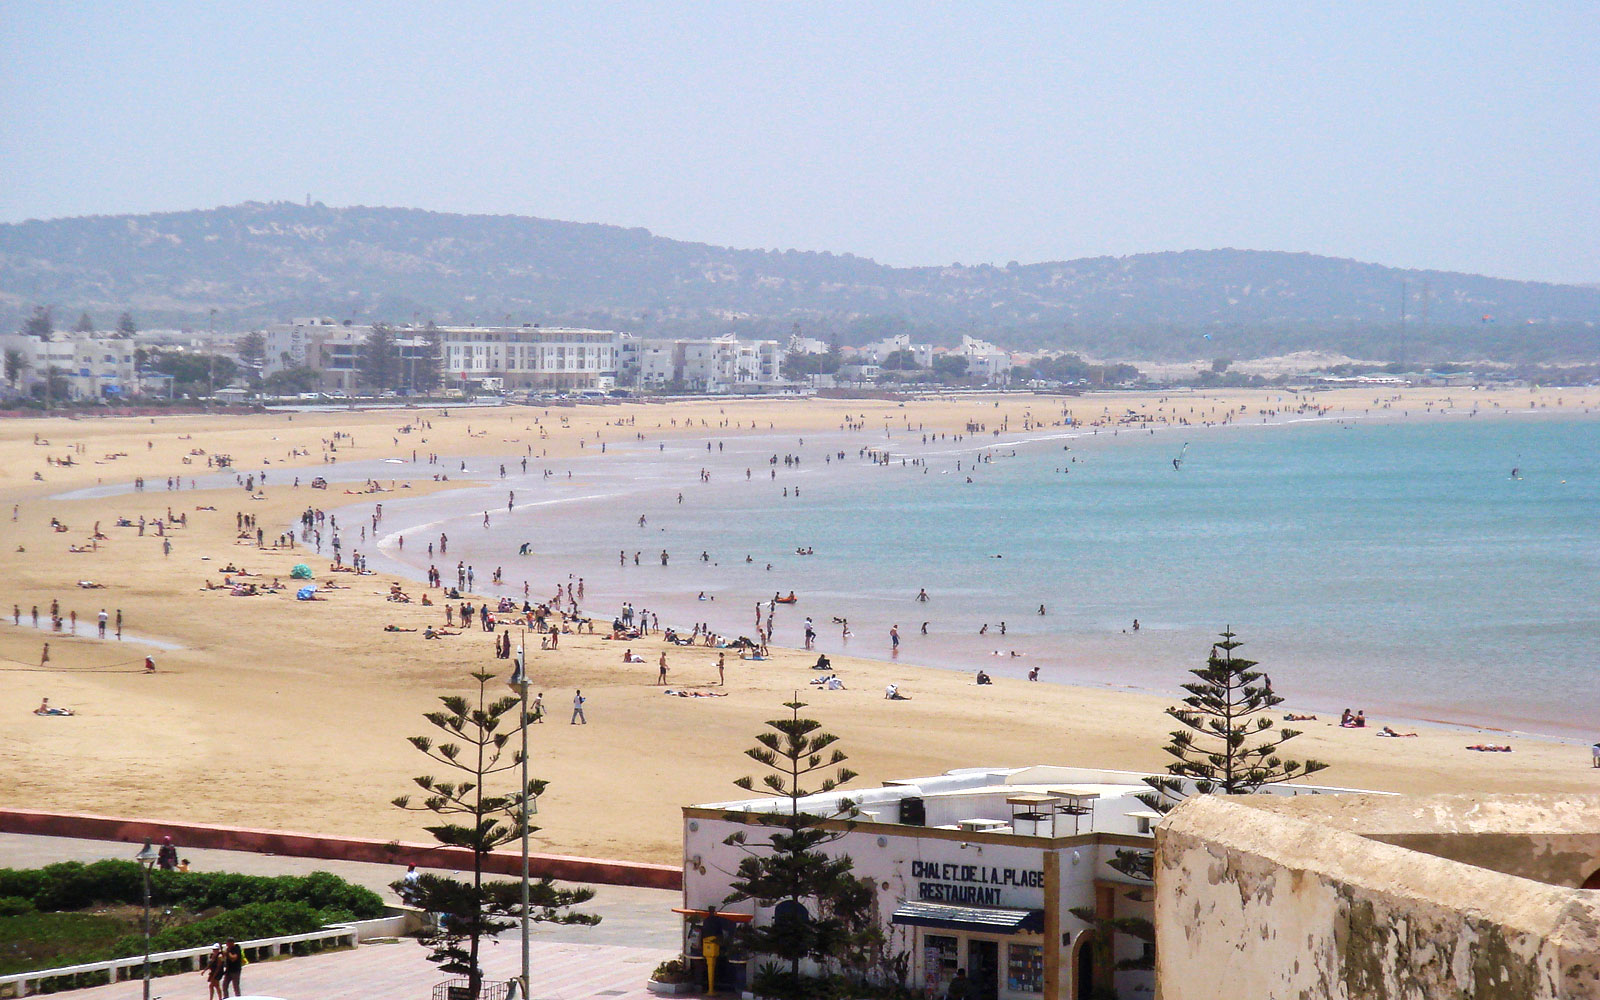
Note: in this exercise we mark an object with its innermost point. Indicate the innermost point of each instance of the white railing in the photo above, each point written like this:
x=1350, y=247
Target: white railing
x=189, y=959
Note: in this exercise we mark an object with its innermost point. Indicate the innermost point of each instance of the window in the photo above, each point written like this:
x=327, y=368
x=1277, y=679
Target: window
x=940, y=958
x=1025, y=968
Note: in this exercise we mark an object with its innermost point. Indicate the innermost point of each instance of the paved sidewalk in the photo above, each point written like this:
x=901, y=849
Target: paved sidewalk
x=398, y=971
x=629, y=915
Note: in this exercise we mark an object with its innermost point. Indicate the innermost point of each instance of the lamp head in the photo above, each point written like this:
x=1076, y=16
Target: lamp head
x=147, y=855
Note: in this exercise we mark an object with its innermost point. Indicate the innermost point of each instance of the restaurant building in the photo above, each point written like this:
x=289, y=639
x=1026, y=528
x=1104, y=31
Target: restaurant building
x=977, y=869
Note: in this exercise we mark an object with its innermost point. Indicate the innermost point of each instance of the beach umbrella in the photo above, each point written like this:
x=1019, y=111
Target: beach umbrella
x=305, y=593
x=300, y=572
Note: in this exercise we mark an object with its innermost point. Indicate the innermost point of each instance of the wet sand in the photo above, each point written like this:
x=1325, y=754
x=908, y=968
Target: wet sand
x=273, y=712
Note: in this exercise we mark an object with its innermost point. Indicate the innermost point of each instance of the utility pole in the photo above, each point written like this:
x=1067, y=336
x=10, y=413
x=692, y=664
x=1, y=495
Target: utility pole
x=211, y=379
x=519, y=682
x=1404, y=291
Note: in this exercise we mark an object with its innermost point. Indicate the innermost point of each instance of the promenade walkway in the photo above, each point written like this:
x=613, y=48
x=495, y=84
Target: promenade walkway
x=398, y=971
x=638, y=930
x=628, y=915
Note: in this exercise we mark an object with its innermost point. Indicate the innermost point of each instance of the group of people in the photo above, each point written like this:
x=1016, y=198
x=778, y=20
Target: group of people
x=222, y=969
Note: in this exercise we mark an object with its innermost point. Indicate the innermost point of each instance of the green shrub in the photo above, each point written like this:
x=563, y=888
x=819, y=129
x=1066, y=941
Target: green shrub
x=12, y=906
x=253, y=920
x=71, y=885
x=673, y=970
x=33, y=940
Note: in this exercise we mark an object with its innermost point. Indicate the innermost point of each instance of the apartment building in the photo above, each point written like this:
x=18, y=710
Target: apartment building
x=94, y=366
x=510, y=357
x=713, y=365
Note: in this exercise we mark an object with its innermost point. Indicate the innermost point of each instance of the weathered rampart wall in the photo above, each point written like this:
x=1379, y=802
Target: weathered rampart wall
x=1263, y=903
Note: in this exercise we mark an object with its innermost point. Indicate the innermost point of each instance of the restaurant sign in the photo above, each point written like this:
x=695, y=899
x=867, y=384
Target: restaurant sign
x=944, y=882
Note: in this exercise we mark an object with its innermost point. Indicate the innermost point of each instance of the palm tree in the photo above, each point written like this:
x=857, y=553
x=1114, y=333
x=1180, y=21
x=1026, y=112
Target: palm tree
x=16, y=364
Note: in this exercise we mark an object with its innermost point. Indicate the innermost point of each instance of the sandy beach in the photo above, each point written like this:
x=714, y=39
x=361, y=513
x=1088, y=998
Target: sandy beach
x=267, y=711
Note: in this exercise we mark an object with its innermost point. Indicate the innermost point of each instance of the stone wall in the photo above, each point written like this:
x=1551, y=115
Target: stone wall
x=1548, y=837
x=1274, y=899
x=335, y=848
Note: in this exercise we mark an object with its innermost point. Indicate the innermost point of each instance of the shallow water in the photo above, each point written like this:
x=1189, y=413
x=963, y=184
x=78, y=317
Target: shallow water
x=1395, y=567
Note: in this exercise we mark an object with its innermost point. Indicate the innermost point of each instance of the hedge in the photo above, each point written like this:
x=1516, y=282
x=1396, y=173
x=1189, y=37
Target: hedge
x=72, y=885
x=253, y=920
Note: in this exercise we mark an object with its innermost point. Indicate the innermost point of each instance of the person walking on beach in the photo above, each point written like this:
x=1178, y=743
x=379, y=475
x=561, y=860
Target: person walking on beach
x=119, y=623
x=103, y=619
x=577, y=708
x=661, y=677
x=211, y=969
x=722, y=662
x=894, y=638
x=44, y=657
x=232, y=965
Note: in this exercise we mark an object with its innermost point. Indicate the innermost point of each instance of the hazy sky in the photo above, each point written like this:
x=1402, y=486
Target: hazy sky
x=1463, y=136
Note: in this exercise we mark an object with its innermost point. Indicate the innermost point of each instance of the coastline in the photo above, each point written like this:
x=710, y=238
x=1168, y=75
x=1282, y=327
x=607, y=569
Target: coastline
x=280, y=713
x=1072, y=648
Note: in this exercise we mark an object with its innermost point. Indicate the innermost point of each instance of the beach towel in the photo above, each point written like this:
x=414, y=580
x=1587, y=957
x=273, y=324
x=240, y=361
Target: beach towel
x=300, y=572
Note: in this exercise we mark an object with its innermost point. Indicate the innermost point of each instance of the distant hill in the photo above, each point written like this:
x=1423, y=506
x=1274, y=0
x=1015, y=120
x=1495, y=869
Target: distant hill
x=256, y=263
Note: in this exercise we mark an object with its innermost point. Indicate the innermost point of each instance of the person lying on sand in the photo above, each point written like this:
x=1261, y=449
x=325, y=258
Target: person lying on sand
x=45, y=709
x=1291, y=717
x=91, y=585
x=1386, y=731
x=396, y=628
x=1490, y=748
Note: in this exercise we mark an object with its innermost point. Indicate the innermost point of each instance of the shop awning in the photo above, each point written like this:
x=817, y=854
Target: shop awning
x=732, y=918
x=986, y=919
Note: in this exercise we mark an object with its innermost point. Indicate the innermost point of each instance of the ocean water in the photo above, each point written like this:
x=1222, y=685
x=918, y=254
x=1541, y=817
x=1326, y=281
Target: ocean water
x=1394, y=567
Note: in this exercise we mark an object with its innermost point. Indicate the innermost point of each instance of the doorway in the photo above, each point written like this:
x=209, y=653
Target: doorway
x=983, y=969
x=1084, y=966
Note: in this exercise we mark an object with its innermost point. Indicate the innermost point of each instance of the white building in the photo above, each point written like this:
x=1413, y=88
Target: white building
x=94, y=366
x=807, y=345
x=515, y=357
x=878, y=352
x=985, y=360
x=976, y=869
x=531, y=357
x=714, y=365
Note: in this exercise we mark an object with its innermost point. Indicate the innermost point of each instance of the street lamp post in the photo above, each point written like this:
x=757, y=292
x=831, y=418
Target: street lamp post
x=519, y=681
x=146, y=857
x=211, y=379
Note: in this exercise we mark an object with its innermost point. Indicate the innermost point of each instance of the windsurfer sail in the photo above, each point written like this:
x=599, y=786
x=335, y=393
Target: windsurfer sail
x=1177, y=463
